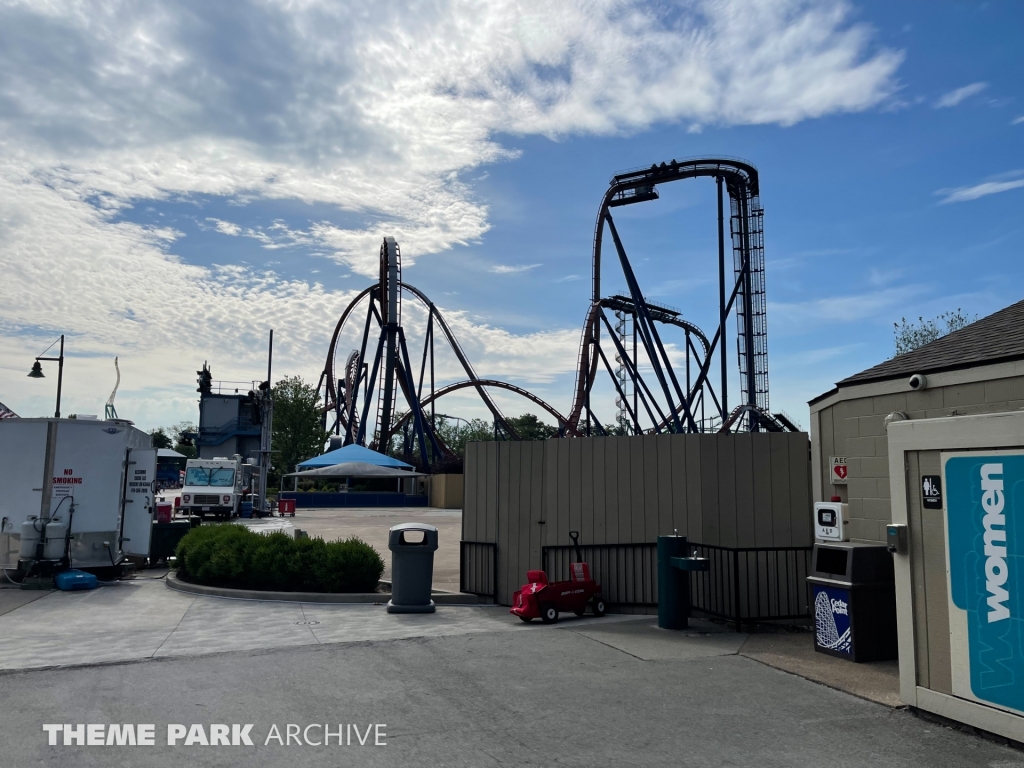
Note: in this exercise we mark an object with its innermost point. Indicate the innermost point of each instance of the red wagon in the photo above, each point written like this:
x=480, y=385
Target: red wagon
x=545, y=600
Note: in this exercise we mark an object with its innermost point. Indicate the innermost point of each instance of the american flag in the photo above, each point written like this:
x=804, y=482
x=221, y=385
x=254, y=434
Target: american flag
x=7, y=413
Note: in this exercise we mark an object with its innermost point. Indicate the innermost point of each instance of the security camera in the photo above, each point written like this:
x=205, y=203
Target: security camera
x=918, y=381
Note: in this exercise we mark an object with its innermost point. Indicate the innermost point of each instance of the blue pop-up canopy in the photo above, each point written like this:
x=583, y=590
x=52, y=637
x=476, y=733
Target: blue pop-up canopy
x=352, y=453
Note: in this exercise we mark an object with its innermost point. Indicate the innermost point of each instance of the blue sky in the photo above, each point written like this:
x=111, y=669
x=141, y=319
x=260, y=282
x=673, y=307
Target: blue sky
x=175, y=184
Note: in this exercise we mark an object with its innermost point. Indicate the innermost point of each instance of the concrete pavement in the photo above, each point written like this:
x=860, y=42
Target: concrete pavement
x=142, y=619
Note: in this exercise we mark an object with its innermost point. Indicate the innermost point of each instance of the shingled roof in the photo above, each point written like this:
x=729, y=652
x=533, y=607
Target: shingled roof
x=997, y=338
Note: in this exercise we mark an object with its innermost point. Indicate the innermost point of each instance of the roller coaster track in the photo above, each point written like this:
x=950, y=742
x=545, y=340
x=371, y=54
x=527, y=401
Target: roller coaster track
x=740, y=180
x=477, y=383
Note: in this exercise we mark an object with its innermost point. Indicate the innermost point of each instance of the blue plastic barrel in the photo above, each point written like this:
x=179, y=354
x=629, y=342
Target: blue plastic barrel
x=245, y=510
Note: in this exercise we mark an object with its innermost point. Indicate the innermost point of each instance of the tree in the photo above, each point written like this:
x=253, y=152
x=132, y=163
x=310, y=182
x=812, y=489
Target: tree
x=160, y=438
x=455, y=433
x=298, y=429
x=530, y=427
x=910, y=336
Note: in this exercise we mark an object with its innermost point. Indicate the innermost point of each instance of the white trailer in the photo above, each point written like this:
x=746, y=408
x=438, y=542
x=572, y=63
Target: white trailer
x=85, y=485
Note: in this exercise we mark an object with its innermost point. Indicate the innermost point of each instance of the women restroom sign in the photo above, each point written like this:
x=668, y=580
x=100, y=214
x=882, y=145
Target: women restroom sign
x=985, y=548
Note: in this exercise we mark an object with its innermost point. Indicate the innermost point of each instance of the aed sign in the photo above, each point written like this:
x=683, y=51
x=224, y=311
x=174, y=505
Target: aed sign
x=840, y=469
x=985, y=547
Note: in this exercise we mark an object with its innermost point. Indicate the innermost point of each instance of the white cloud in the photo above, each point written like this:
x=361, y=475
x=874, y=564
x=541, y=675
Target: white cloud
x=512, y=269
x=1018, y=120
x=953, y=98
x=963, y=194
x=377, y=115
x=226, y=227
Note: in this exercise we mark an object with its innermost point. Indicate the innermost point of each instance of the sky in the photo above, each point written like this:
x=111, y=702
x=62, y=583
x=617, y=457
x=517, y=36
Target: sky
x=177, y=178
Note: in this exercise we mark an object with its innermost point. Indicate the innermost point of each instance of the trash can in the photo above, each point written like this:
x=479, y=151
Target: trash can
x=412, y=548
x=286, y=507
x=165, y=537
x=853, y=595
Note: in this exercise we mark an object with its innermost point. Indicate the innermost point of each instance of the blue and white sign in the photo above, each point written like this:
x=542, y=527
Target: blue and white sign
x=984, y=498
x=832, y=619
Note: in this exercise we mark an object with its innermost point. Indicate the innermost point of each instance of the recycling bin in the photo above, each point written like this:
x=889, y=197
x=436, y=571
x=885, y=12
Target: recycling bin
x=853, y=595
x=412, y=548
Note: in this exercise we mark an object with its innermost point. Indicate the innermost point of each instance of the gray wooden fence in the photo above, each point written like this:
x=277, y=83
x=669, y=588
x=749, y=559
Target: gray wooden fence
x=743, y=490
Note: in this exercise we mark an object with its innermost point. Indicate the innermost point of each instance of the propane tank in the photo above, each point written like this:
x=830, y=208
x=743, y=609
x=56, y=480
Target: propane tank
x=30, y=531
x=56, y=531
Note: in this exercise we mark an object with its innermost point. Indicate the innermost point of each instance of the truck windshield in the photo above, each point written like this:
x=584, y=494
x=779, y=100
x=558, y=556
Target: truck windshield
x=222, y=477
x=219, y=477
x=197, y=476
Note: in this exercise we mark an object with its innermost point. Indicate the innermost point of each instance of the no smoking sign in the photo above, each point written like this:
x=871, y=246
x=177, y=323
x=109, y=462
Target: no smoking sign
x=840, y=469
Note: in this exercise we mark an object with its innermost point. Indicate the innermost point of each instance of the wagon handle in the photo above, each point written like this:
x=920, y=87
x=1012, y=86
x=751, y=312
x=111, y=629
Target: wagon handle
x=575, y=536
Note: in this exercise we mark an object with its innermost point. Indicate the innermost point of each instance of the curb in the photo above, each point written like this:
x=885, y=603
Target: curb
x=338, y=598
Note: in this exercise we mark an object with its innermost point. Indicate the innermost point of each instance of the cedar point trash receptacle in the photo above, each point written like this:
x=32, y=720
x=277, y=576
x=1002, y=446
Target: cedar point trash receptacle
x=412, y=548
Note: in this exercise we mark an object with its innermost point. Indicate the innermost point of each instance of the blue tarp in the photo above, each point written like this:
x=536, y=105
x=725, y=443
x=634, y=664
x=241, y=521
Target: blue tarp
x=353, y=453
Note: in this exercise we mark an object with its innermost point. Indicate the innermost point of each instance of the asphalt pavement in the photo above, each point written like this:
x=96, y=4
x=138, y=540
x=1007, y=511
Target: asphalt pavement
x=581, y=693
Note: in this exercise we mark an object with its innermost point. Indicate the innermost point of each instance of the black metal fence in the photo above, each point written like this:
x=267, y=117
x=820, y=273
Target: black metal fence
x=750, y=584
x=478, y=568
x=627, y=573
x=744, y=584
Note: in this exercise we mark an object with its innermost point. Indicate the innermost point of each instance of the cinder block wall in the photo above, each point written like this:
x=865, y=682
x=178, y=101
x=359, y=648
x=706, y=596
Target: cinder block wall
x=854, y=427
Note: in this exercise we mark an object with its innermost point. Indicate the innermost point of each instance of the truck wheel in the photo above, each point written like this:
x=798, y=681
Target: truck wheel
x=597, y=606
x=548, y=613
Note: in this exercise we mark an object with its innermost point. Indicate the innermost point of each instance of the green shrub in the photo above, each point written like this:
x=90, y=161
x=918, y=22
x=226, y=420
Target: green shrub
x=234, y=556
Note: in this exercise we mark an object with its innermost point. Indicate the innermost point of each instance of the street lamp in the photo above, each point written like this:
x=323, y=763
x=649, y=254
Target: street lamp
x=37, y=370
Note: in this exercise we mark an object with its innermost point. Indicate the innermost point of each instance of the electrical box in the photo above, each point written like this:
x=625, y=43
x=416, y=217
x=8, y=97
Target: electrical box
x=830, y=518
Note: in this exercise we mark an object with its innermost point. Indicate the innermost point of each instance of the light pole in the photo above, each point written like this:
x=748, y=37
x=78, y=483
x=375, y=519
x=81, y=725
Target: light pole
x=37, y=370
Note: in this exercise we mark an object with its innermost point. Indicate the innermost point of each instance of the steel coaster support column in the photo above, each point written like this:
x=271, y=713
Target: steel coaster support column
x=722, y=312
x=637, y=379
x=683, y=399
x=646, y=325
x=370, y=383
x=353, y=396
x=390, y=280
x=433, y=413
x=464, y=361
x=703, y=375
x=428, y=341
x=323, y=417
x=414, y=404
x=635, y=410
x=748, y=310
x=618, y=389
x=745, y=321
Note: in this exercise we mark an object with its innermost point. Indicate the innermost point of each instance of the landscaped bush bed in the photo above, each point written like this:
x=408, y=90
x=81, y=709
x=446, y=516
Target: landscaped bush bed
x=234, y=556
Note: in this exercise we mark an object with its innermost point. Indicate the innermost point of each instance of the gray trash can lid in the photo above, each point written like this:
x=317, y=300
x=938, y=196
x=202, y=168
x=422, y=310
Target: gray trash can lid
x=397, y=540
x=414, y=527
